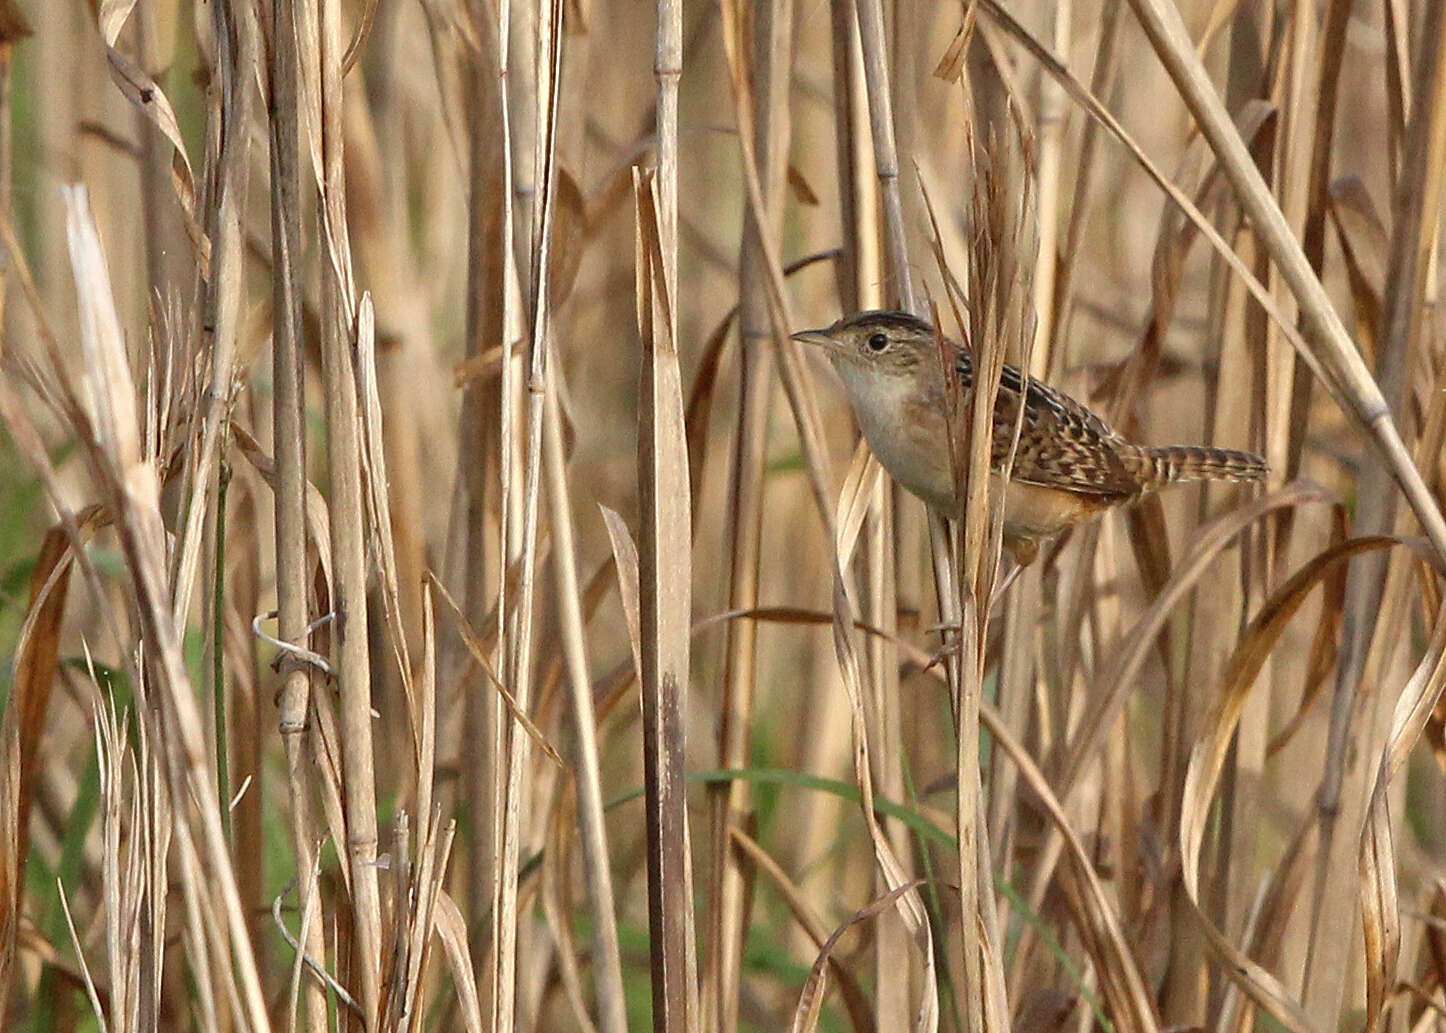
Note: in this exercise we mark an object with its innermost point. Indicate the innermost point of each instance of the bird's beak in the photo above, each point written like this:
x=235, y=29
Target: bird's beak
x=818, y=338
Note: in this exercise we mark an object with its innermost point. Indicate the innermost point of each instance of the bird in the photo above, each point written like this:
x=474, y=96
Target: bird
x=1070, y=466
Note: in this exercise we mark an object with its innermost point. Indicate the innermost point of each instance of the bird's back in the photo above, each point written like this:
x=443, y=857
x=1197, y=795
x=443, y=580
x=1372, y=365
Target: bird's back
x=1061, y=443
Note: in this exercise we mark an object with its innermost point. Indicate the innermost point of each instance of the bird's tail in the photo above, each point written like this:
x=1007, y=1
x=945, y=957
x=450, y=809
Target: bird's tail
x=1171, y=463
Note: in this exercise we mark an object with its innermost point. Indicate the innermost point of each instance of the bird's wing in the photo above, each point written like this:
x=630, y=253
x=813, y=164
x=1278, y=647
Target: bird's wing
x=1061, y=443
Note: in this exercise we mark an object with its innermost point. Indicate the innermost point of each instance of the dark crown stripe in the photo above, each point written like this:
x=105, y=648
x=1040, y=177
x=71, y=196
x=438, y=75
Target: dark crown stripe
x=887, y=319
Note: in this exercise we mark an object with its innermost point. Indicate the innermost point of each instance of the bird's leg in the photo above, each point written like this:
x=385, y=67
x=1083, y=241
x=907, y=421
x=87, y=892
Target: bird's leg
x=1003, y=586
x=952, y=646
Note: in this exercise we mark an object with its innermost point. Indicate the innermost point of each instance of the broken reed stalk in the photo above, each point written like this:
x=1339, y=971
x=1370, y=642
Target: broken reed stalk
x=665, y=565
x=668, y=71
x=665, y=569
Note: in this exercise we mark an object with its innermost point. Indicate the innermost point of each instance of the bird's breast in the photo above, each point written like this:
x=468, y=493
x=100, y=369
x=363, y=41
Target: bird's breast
x=907, y=434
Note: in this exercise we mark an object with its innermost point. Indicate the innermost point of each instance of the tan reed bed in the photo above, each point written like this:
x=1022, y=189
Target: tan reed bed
x=438, y=595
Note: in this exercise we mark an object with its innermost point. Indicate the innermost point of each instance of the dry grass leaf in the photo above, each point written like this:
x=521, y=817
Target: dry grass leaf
x=570, y=236
x=699, y=411
x=148, y=97
x=799, y=185
x=855, y=497
x=700, y=404
x=451, y=929
x=1325, y=647
x=37, y=651
x=860, y=1018
x=132, y=490
x=1364, y=244
x=810, y=999
x=377, y=492
x=476, y=647
x=557, y=903
x=625, y=560
x=1380, y=907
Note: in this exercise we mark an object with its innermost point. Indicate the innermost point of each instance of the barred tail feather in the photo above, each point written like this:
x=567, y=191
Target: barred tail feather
x=1173, y=463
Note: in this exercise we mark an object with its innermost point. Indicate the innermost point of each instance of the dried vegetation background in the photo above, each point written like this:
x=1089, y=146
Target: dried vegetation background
x=435, y=594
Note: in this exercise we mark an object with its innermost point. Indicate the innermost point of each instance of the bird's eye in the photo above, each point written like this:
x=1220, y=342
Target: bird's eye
x=878, y=342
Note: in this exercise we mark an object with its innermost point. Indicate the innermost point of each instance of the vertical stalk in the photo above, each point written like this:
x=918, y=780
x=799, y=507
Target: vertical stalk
x=289, y=434
x=843, y=38
x=480, y=457
x=352, y=660
x=1101, y=79
x=248, y=728
x=886, y=156
x=860, y=277
x=524, y=107
x=501, y=972
x=216, y=644
x=154, y=169
x=1017, y=664
x=518, y=749
x=235, y=53
x=668, y=70
x=947, y=583
x=1050, y=137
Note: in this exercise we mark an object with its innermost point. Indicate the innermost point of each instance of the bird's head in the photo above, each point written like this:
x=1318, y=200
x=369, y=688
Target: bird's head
x=893, y=344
